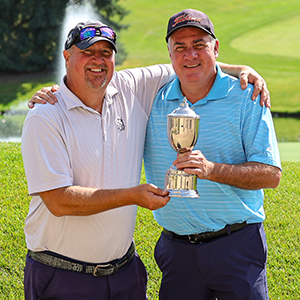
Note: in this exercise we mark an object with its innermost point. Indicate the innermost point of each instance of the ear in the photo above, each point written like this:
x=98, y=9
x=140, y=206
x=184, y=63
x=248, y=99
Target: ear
x=66, y=54
x=169, y=50
x=216, y=48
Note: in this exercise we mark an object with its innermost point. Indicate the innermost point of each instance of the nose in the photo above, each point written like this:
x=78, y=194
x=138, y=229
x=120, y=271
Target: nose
x=98, y=56
x=190, y=53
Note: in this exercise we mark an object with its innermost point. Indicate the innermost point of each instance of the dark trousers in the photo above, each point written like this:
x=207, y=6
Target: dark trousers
x=231, y=267
x=44, y=282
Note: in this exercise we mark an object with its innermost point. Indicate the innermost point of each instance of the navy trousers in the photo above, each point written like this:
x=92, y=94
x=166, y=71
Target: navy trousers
x=44, y=282
x=232, y=267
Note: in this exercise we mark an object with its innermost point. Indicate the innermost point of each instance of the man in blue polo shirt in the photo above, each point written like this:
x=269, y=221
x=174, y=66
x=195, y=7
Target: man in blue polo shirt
x=214, y=246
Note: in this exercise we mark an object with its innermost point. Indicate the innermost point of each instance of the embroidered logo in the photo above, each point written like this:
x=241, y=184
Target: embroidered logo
x=186, y=17
x=120, y=124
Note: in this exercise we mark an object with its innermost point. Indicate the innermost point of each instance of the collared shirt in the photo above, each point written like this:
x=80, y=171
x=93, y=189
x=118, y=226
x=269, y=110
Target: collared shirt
x=233, y=130
x=71, y=144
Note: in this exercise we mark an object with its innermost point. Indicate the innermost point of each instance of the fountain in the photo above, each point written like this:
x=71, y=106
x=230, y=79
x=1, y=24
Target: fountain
x=74, y=14
x=11, y=122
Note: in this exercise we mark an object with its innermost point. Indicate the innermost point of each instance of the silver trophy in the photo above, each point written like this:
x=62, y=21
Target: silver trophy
x=183, y=129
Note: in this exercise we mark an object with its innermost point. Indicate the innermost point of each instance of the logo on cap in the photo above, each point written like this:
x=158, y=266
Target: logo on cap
x=186, y=17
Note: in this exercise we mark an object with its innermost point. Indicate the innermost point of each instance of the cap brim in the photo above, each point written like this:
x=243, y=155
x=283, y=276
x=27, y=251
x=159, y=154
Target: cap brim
x=189, y=25
x=90, y=41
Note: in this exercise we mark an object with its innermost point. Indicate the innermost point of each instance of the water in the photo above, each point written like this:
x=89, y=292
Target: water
x=11, y=122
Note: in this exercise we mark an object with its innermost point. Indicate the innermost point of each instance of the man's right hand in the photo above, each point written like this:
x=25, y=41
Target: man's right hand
x=150, y=196
x=44, y=95
x=85, y=201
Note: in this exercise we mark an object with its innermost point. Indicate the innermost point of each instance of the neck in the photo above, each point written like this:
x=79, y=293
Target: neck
x=197, y=91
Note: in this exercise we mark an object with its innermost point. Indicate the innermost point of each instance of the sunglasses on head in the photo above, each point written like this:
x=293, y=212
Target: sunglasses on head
x=90, y=32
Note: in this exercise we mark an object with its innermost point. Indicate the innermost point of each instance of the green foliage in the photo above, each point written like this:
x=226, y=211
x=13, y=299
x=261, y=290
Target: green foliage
x=30, y=31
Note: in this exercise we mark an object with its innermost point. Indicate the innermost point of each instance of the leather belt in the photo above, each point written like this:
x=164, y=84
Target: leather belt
x=96, y=270
x=206, y=236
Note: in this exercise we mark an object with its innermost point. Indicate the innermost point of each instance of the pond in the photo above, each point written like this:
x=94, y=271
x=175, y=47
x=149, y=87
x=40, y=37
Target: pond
x=287, y=131
x=11, y=124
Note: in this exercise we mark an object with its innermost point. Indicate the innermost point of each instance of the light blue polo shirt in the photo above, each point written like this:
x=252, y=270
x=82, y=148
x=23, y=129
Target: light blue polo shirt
x=233, y=130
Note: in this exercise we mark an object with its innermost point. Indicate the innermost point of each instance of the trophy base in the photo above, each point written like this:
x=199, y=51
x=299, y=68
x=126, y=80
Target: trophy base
x=181, y=184
x=184, y=193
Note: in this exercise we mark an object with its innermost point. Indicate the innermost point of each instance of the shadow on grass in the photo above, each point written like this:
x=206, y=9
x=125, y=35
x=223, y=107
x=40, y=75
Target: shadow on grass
x=16, y=87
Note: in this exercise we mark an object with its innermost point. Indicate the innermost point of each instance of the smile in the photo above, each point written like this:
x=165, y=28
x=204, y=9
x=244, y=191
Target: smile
x=192, y=66
x=97, y=70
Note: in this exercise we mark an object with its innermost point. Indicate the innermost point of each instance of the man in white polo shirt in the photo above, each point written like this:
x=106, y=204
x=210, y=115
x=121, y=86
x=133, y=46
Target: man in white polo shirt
x=82, y=159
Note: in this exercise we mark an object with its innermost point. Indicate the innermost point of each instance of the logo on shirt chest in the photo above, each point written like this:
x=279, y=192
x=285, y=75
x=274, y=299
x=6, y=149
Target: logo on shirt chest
x=120, y=124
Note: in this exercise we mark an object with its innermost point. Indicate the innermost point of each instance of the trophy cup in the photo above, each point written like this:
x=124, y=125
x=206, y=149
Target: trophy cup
x=183, y=129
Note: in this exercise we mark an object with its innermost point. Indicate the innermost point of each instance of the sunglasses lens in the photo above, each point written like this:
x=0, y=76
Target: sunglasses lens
x=87, y=33
x=107, y=32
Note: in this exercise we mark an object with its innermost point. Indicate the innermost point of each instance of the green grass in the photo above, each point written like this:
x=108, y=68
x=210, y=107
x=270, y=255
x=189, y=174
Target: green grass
x=16, y=89
x=289, y=151
x=14, y=206
x=282, y=228
x=236, y=22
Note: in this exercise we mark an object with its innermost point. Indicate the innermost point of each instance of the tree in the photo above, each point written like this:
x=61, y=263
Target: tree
x=30, y=31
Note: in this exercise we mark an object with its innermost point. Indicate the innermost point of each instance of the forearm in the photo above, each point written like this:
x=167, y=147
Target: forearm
x=249, y=176
x=82, y=201
x=233, y=70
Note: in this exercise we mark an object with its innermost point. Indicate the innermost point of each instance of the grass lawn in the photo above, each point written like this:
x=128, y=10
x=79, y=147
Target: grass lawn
x=282, y=228
x=262, y=34
x=289, y=151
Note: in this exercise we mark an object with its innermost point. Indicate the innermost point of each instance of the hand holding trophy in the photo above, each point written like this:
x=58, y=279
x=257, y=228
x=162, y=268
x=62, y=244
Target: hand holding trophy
x=183, y=129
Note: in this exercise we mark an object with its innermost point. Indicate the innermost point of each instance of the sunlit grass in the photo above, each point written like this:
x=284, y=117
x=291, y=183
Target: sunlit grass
x=282, y=209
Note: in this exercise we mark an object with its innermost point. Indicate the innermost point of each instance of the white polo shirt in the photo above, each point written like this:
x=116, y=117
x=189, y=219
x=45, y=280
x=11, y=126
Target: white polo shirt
x=71, y=144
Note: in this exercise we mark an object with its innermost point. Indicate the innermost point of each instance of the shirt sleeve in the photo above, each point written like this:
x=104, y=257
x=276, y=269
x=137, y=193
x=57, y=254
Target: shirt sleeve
x=45, y=157
x=146, y=82
x=258, y=133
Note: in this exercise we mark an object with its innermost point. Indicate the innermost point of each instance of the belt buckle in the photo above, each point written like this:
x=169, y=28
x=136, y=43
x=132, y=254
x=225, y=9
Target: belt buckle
x=193, y=239
x=108, y=270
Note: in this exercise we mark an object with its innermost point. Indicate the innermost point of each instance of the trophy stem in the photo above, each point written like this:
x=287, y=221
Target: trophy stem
x=181, y=184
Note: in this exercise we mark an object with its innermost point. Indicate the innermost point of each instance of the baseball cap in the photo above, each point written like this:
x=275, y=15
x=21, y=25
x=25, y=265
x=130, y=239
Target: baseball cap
x=190, y=17
x=85, y=34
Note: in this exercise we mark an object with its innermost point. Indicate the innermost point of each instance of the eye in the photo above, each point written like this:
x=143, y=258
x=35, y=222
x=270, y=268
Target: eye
x=107, y=52
x=199, y=45
x=87, y=51
x=179, y=48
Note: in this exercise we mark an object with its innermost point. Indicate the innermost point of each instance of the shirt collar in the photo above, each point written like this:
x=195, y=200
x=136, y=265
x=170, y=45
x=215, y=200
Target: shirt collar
x=219, y=90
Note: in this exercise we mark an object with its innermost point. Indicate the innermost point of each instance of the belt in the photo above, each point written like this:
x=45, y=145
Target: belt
x=206, y=236
x=96, y=270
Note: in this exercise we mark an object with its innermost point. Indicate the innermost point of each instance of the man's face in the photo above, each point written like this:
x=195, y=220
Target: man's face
x=92, y=67
x=193, y=55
